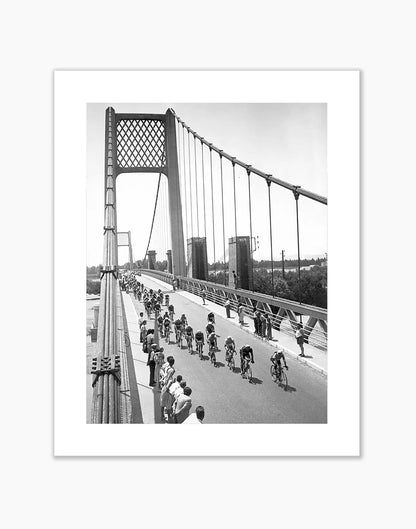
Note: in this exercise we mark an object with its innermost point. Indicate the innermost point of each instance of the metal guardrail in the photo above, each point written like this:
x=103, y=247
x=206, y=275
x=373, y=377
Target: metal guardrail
x=283, y=313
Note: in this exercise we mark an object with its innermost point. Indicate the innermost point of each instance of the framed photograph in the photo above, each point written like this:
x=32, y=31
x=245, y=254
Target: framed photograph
x=207, y=263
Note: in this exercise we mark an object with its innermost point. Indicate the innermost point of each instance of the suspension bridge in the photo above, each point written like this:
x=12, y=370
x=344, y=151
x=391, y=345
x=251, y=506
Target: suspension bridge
x=201, y=189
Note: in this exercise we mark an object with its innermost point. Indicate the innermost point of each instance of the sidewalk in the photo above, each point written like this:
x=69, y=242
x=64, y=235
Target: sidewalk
x=314, y=357
x=147, y=396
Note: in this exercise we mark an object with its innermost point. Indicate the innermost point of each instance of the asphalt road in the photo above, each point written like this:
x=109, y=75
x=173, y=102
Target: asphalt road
x=229, y=398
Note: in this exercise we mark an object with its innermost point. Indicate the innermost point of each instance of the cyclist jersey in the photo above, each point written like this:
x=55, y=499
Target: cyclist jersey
x=160, y=319
x=211, y=337
x=277, y=356
x=178, y=323
x=189, y=330
x=230, y=343
x=199, y=337
x=246, y=352
x=210, y=328
x=183, y=319
x=171, y=309
x=211, y=316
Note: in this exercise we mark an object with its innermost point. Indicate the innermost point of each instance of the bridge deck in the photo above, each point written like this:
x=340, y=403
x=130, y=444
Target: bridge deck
x=226, y=397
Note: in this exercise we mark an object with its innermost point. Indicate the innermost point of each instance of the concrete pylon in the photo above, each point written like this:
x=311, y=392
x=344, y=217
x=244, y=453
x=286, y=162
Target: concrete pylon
x=240, y=263
x=151, y=259
x=175, y=203
x=197, y=258
x=169, y=260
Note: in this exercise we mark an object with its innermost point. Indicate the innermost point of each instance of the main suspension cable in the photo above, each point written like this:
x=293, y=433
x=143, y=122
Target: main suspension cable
x=213, y=221
x=184, y=181
x=190, y=184
x=203, y=191
x=271, y=234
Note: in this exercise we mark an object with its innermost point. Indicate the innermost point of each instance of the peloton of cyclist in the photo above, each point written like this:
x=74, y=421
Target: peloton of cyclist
x=199, y=338
x=166, y=325
x=160, y=323
x=211, y=317
x=229, y=348
x=212, y=342
x=246, y=355
x=184, y=321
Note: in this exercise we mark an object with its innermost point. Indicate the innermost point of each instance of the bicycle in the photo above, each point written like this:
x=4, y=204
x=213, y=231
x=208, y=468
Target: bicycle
x=229, y=352
x=247, y=372
x=278, y=375
x=167, y=335
x=199, y=349
x=212, y=356
x=189, y=344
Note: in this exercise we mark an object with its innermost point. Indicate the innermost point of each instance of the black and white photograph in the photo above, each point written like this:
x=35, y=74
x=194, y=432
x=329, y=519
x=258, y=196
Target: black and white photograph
x=207, y=263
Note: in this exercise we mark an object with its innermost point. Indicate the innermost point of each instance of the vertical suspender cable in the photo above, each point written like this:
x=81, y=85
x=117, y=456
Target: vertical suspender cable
x=213, y=220
x=203, y=189
x=153, y=218
x=196, y=189
x=251, y=225
x=190, y=184
x=271, y=236
x=184, y=182
x=235, y=202
x=296, y=194
x=223, y=221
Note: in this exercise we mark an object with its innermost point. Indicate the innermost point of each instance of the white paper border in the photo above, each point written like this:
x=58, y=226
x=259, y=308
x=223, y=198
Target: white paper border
x=73, y=90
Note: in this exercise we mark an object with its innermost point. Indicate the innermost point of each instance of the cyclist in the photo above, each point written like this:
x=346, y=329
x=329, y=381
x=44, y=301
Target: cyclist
x=184, y=320
x=210, y=329
x=157, y=307
x=160, y=324
x=166, y=325
x=211, y=317
x=148, y=306
x=178, y=330
x=277, y=358
x=199, y=341
x=229, y=348
x=189, y=335
x=171, y=310
x=246, y=355
x=212, y=342
x=167, y=300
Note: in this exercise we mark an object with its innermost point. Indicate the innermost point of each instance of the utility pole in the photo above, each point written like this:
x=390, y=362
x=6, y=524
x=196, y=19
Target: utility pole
x=283, y=264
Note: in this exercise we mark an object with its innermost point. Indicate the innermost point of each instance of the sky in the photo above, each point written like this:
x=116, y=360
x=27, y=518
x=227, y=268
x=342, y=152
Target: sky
x=286, y=140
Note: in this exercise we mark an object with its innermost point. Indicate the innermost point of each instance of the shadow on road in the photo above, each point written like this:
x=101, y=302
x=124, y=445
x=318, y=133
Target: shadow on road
x=255, y=380
x=219, y=364
x=290, y=389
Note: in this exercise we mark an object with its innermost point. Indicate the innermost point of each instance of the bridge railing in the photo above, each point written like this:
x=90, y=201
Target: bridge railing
x=283, y=313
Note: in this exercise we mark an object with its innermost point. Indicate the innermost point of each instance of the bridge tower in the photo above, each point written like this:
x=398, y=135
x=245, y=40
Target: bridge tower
x=151, y=260
x=240, y=262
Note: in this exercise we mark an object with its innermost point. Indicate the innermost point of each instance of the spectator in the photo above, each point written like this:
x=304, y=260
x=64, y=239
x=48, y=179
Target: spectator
x=152, y=364
x=159, y=361
x=269, y=327
x=175, y=385
x=183, y=405
x=166, y=399
x=256, y=322
x=150, y=339
x=197, y=417
x=143, y=331
x=263, y=325
x=227, y=306
x=235, y=278
x=300, y=339
x=241, y=314
x=203, y=296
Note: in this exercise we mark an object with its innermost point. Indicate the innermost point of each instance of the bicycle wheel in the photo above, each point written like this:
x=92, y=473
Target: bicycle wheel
x=283, y=380
x=273, y=372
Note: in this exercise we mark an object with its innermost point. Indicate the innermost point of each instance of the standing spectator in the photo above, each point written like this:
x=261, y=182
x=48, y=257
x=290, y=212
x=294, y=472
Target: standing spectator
x=269, y=327
x=241, y=314
x=263, y=325
x=159, y=361
x=203, y=296
x=143, y=332
x=152, y=364
x=183, y=405
x=166, y=399
x=256, y=320
x=227, y=306
x=197, y=417
x=235, y=277
x=175, y=385
x=150, y=339
x=300, y=339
